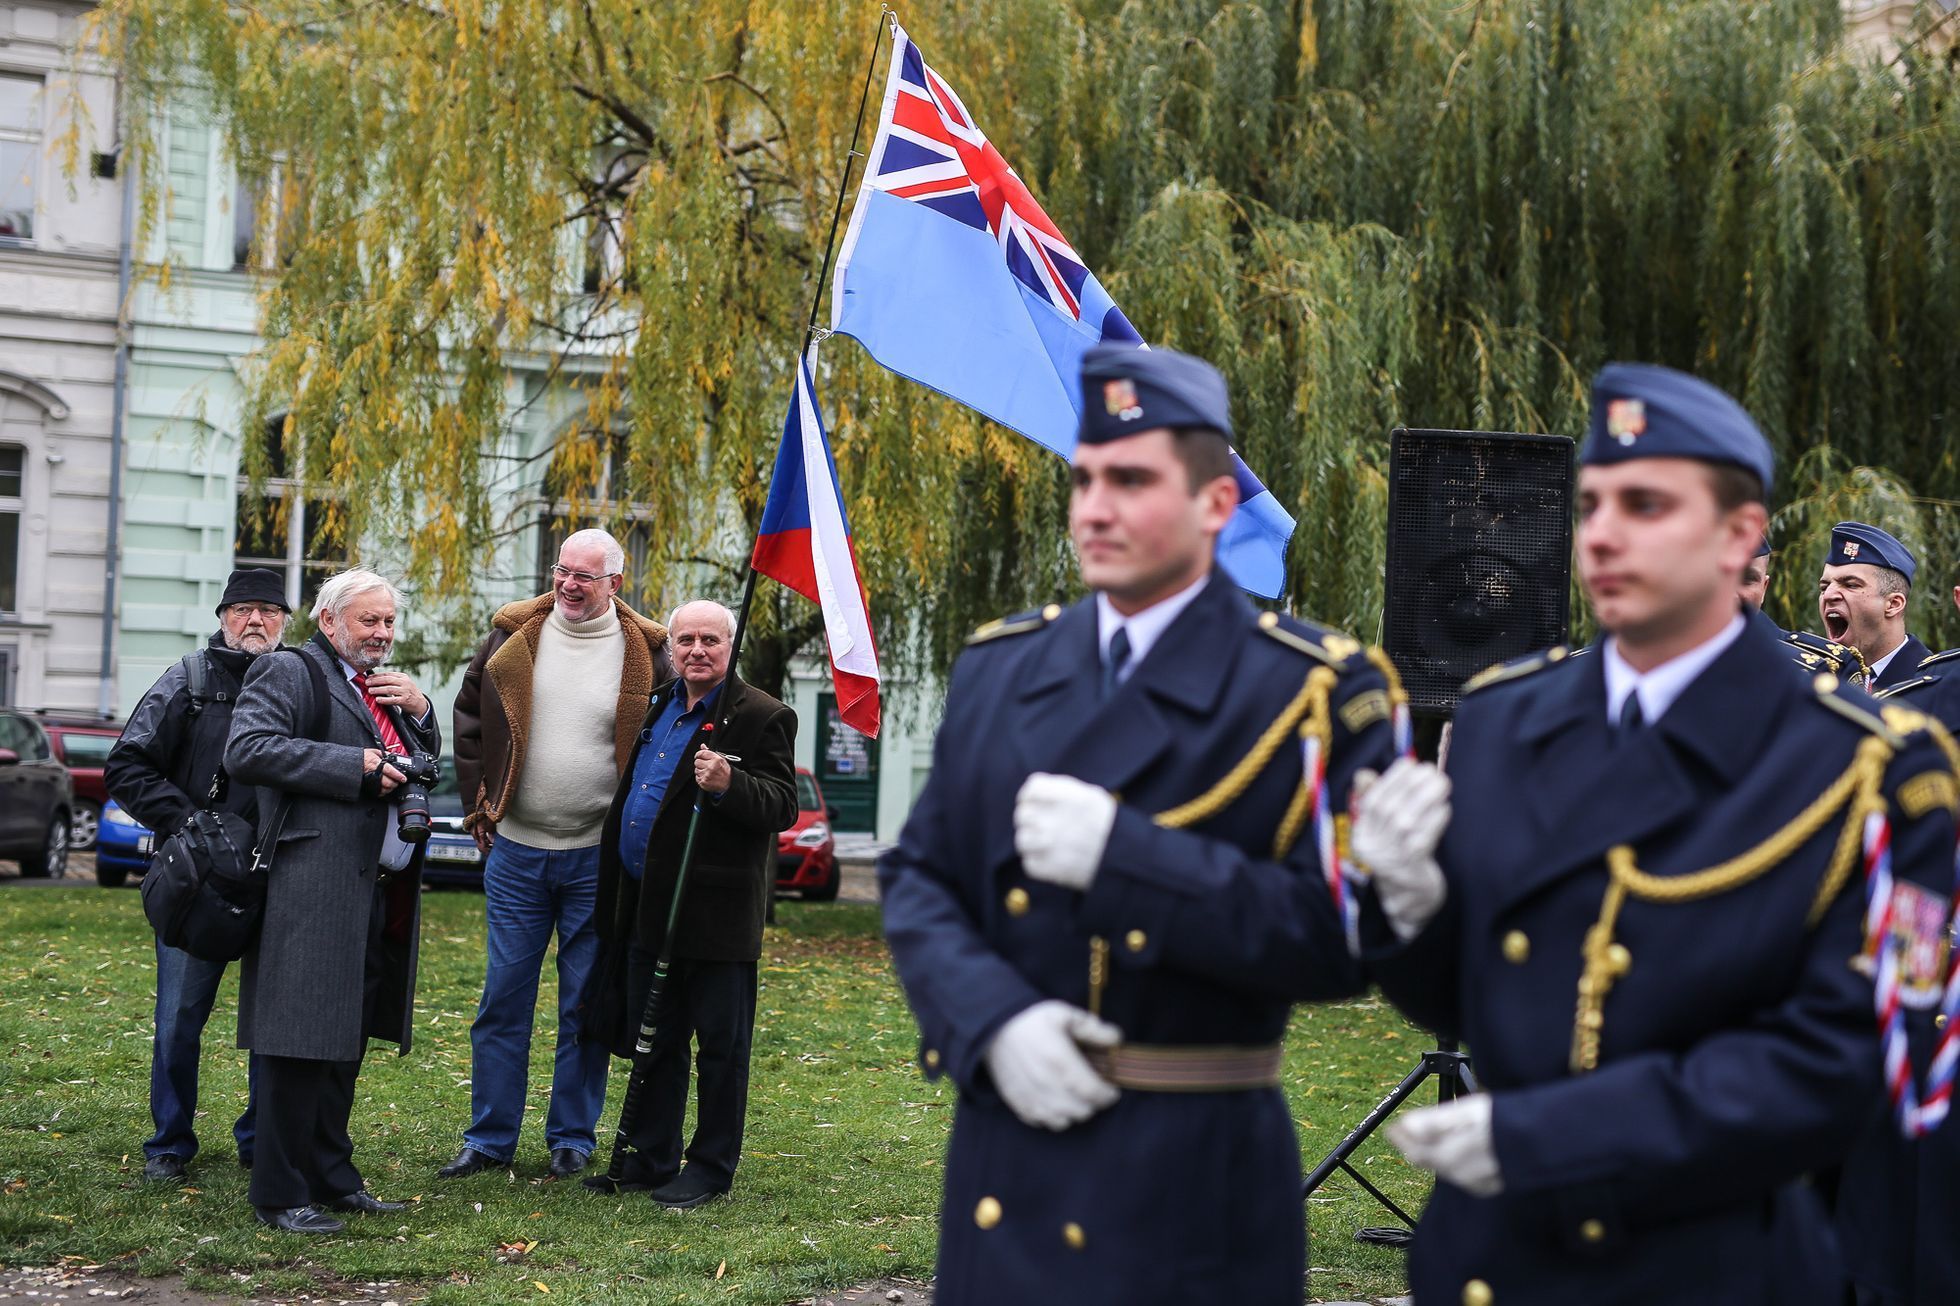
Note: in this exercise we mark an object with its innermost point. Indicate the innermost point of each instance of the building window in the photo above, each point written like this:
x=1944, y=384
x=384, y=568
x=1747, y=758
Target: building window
x=284, y=529
x=20, y=153
x=572, y=502
x=13, y=460
x=261, y=239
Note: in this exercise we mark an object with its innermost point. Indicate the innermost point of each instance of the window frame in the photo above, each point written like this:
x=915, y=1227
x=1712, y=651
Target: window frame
x=35, y=138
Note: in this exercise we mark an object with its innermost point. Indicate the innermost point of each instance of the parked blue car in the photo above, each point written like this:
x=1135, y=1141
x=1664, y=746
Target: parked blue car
x=122, y=846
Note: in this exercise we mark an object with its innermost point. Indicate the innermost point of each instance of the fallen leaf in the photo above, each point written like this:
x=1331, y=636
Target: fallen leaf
x=540, y=1285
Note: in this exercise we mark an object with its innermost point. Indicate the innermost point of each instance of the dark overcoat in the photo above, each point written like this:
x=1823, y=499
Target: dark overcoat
x=1737, y=1048
x=1164, y=1197
x=300, y=990
x=1899, y=1201
x=734, y=868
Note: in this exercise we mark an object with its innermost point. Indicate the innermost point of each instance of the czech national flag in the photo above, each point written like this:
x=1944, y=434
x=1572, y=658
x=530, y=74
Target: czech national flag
x=805, y=543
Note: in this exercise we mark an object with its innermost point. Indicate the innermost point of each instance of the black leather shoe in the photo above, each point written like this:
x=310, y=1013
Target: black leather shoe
x=469, y=1161
x=687, y=1192
x=298, y=1219
x=364, y=1203
x=164, y=1167
x=602, y=1183
x=566, y=1162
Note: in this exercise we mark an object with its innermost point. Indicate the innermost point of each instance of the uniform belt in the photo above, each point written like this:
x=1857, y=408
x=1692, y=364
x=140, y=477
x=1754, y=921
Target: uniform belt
x=1157, y=1068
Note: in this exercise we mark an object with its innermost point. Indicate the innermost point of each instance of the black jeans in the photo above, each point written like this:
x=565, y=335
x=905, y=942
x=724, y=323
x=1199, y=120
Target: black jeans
x=712, y=1004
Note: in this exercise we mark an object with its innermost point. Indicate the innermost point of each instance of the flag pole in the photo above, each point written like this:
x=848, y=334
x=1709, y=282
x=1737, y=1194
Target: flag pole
x=630, y=1108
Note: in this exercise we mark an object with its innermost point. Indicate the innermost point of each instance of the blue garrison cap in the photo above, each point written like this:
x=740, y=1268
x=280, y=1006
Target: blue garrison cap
x=1643, y=411
x=1127, y=390
x=1763, y=550
x=1854, y=541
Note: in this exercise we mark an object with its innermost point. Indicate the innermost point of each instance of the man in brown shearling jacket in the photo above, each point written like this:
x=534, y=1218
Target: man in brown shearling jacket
x=545, y=722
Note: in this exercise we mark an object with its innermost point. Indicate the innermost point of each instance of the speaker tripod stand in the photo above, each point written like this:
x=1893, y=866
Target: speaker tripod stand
x=1453, y=1076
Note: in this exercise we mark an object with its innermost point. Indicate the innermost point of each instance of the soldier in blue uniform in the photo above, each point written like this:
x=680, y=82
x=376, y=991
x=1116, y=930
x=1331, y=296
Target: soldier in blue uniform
x=1111, y=1022
x=1814, y=653
x=1899, y=1200
x=1863, y=596
x=1646, y=918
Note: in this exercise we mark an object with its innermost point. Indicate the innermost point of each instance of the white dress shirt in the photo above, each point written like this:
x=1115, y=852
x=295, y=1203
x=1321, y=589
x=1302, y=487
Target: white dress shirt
x=1143, y=627
x=1659, y=687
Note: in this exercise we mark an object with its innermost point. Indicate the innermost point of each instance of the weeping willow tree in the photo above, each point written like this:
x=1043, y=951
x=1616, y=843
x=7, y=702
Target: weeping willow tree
x=1368, y=212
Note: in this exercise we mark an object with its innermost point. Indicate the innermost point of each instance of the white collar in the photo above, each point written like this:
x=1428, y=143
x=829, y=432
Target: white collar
x=1143, y=627
x=1659, y=687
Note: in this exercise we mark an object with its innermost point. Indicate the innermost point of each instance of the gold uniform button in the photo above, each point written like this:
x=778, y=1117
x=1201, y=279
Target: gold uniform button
x=1619, y=959
x=1517, y=947
x=1267, y=620
x=1478, y=1293
x=986, y=1213
x=1072, y=1235
x=932, y=1058
x=1556, y=655
x=1593, y=1231
x=1939, y=1022
x=1052, y=611
x=1017, y=902
x=1826, y=683
x=1136, y=940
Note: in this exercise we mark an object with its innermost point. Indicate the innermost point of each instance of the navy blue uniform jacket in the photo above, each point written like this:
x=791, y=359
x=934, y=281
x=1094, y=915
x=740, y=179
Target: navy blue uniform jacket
x=1738, y=1051
x=1899, y=1201
x=1164, y=1197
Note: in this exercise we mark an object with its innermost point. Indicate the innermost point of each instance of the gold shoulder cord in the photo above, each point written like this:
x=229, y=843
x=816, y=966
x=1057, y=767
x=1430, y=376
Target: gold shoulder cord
x=1861, y=787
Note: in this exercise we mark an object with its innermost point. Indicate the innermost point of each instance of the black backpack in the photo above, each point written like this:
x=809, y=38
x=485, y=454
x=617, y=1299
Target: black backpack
x=205, y=889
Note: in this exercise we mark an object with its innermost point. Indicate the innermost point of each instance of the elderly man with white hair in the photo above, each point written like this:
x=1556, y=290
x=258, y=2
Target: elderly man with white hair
x=545, y=722
x=712, y=743
x=334, y=964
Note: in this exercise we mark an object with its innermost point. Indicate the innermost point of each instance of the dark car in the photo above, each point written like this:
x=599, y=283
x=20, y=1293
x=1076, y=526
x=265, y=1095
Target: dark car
x=806, y=854
x=452, y=857
x=37, y=800
x=82, y=745
x=122, y=847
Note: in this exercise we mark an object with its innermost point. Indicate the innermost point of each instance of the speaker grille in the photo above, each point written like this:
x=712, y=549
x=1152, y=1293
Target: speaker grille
x=1479, y=555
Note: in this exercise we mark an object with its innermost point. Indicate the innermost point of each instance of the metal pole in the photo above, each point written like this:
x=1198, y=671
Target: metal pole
x=105, y=697
x=629, y=1109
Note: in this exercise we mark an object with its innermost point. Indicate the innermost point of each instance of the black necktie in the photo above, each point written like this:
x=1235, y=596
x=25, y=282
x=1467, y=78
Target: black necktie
x=1115, y=661
x=1631, y=717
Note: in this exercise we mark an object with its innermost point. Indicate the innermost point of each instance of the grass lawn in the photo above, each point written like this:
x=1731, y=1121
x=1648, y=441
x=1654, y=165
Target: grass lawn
x=840, y=1174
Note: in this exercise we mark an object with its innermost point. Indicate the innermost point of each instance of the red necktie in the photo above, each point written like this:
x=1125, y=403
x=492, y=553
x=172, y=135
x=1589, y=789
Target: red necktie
x=389, y=738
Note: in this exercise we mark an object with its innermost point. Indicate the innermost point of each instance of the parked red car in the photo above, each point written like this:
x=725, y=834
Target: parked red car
x=806, y=854
x=82, y=744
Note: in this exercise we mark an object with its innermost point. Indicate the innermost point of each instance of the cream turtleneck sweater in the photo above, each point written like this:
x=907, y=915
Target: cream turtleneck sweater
x=569, y=768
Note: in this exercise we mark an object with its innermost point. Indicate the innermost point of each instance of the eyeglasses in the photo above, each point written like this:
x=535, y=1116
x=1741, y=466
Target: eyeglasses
x=265, y=610
x=582, y=577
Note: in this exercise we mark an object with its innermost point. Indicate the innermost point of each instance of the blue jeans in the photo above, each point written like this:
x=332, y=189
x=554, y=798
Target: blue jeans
x=186, y=990
x=526, y=893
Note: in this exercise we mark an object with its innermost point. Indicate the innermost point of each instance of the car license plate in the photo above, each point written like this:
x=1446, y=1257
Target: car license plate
x=445, y=853
x=143, y=842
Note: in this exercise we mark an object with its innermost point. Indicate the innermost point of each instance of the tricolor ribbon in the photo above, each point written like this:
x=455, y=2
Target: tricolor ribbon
x=1916, y=1117
x=1334, y=867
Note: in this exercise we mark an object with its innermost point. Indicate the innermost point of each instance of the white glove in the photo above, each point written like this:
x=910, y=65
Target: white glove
x=1398, y=821
x=1453, y=1140
x=1041, y=1073
x=1061, y=826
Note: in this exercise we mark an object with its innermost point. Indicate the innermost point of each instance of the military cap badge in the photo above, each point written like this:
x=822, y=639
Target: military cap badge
x=1120, y=399
x=1850, y=548
x=1626, y=419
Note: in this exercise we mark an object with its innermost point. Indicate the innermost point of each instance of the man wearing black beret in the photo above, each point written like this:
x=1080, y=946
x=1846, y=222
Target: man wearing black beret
x=160, y=771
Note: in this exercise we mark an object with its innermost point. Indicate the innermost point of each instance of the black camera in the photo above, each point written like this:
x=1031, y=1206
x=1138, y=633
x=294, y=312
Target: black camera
x=419, y=771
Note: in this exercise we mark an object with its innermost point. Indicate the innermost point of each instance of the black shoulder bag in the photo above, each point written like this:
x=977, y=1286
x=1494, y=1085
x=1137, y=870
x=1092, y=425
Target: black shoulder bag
x=205, y=889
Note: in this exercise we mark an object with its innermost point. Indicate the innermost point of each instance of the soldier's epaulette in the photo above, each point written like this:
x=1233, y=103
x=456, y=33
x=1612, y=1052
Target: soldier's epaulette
x=1938, y=659
x=1891, y=724
x=1021, y=623
x=1321, y=642
x=1517, y=667
x=1903, y=686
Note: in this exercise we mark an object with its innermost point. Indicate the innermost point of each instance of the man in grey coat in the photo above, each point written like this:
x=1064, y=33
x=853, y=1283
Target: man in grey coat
x=335, y=960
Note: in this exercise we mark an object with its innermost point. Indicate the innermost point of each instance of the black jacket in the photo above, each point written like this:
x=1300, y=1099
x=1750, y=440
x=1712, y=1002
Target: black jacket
x=162, y=767
x=733, y=874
